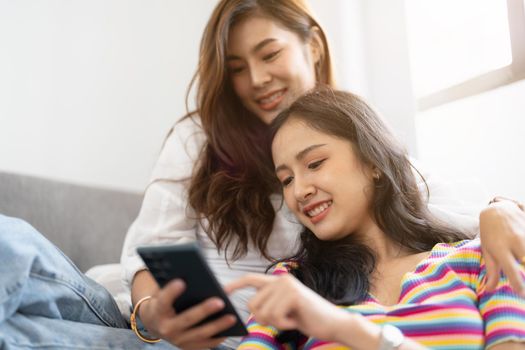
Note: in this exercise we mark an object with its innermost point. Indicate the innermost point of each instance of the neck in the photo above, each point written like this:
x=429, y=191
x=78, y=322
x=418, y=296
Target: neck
x=384, y=248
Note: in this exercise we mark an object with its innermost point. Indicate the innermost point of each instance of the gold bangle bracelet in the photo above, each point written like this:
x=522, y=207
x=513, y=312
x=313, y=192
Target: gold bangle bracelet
x=133, y=321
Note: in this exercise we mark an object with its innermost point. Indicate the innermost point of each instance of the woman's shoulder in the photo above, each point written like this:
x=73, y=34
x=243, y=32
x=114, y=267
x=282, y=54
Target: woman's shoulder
x=461, y=253
x=181, y=149
x=459, y=246
x=186, y=129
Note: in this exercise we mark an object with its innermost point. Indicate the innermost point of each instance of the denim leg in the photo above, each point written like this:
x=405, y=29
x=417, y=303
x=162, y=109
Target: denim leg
x=36, y=278
x=44, y=297
x=36, y=332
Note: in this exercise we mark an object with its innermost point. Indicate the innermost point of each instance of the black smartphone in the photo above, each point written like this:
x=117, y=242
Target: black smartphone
x=186, y=262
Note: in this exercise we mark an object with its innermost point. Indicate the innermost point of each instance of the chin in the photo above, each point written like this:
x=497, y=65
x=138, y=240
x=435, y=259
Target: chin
x=265, y=117
x=268, y=119
x=325, y=236
x=330, y=236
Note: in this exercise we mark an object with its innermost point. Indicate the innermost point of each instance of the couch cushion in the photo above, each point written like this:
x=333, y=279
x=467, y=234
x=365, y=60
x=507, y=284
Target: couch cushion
x=87, y=223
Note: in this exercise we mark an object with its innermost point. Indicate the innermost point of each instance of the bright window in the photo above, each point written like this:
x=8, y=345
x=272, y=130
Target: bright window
x=461, y=48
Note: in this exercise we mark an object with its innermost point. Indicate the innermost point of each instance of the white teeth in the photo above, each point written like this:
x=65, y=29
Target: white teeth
x=319, y=209
x=271, y=98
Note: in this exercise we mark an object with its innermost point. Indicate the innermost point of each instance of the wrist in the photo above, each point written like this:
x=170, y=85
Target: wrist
x=140, y=309
x=345, y=326
x=391, y=338
x=135, y=319
x=358, y=332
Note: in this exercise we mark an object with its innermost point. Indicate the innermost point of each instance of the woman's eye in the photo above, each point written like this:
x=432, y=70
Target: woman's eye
x=236, y=70
x=271, y=55
x=285, y=182
x=316, y=164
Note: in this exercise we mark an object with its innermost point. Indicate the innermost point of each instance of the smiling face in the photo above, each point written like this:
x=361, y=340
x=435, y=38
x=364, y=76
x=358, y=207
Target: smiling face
x=269, y=66
x=324, y=183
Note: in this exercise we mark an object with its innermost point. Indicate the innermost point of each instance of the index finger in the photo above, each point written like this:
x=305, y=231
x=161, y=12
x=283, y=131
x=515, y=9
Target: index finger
x=250, y=280
x=167, y=295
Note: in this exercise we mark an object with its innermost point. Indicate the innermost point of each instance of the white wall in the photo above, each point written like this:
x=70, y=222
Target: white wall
x=370, y=49
x=480, y=139
x=387, y=66
x=342, y=21
x=88, y=89
x=475, y=143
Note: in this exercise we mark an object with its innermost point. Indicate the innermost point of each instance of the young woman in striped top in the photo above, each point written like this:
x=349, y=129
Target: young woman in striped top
x=374, y=273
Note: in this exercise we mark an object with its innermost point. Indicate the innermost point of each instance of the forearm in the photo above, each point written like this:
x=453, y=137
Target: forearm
x=143, y=285
x=359, y=333
x=509, y=346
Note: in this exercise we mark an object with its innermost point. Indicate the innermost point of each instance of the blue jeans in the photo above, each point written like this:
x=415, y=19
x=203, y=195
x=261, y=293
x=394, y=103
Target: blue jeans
x=46, y=302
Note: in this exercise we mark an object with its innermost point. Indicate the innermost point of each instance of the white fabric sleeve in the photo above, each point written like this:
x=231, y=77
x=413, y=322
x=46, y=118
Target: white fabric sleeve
x=165, y=215
x=457, y=202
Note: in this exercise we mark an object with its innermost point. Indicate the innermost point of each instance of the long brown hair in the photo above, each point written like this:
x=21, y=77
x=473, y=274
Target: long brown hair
x=340, y=270
x=233, y=178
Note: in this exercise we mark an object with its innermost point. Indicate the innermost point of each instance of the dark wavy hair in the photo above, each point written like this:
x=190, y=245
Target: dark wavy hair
x=340, y=270
x=232, y=181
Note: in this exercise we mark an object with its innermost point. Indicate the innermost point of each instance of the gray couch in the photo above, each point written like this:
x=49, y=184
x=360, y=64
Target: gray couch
x=87, y=223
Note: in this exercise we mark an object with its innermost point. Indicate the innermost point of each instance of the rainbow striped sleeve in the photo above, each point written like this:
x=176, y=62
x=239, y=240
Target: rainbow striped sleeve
x=261, y=337
x=503, y=311
x=265, y=337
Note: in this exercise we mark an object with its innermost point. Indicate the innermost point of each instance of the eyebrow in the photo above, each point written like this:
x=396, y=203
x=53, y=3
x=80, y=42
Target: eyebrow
x=300, y=155
x=256, y=48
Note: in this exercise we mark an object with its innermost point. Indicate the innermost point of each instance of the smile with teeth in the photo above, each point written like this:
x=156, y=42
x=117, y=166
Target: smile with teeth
x=271, y=98
x=319, y=209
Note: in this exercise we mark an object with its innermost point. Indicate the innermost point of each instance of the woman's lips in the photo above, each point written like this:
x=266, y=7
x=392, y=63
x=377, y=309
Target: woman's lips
x=271, y=101
x=318, y=212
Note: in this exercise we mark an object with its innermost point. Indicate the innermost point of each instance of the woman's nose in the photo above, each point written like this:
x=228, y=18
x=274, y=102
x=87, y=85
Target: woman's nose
x=260, y=76
x=303, y=190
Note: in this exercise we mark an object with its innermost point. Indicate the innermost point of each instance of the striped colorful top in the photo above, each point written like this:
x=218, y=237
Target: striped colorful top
x=443, y=305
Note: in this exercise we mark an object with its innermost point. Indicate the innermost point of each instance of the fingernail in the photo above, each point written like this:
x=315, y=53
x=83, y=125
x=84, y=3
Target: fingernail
x=177, y=283
x=216, y=303
x=229, y=319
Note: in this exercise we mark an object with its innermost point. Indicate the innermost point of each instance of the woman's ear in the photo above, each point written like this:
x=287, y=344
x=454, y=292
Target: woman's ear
x=376, y=173
x=316, y=45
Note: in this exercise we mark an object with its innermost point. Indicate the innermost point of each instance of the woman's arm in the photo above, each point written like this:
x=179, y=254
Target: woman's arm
x=502, y=310
x=167, y=224
x=143, y=285
x=162, y=321
x=166, y=217
x=366, y=335
x=502, y=234
x=508, y=346
x=285, y=303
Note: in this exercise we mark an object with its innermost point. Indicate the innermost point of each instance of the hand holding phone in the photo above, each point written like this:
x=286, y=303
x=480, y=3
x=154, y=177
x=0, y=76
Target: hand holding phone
x=185, y=262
